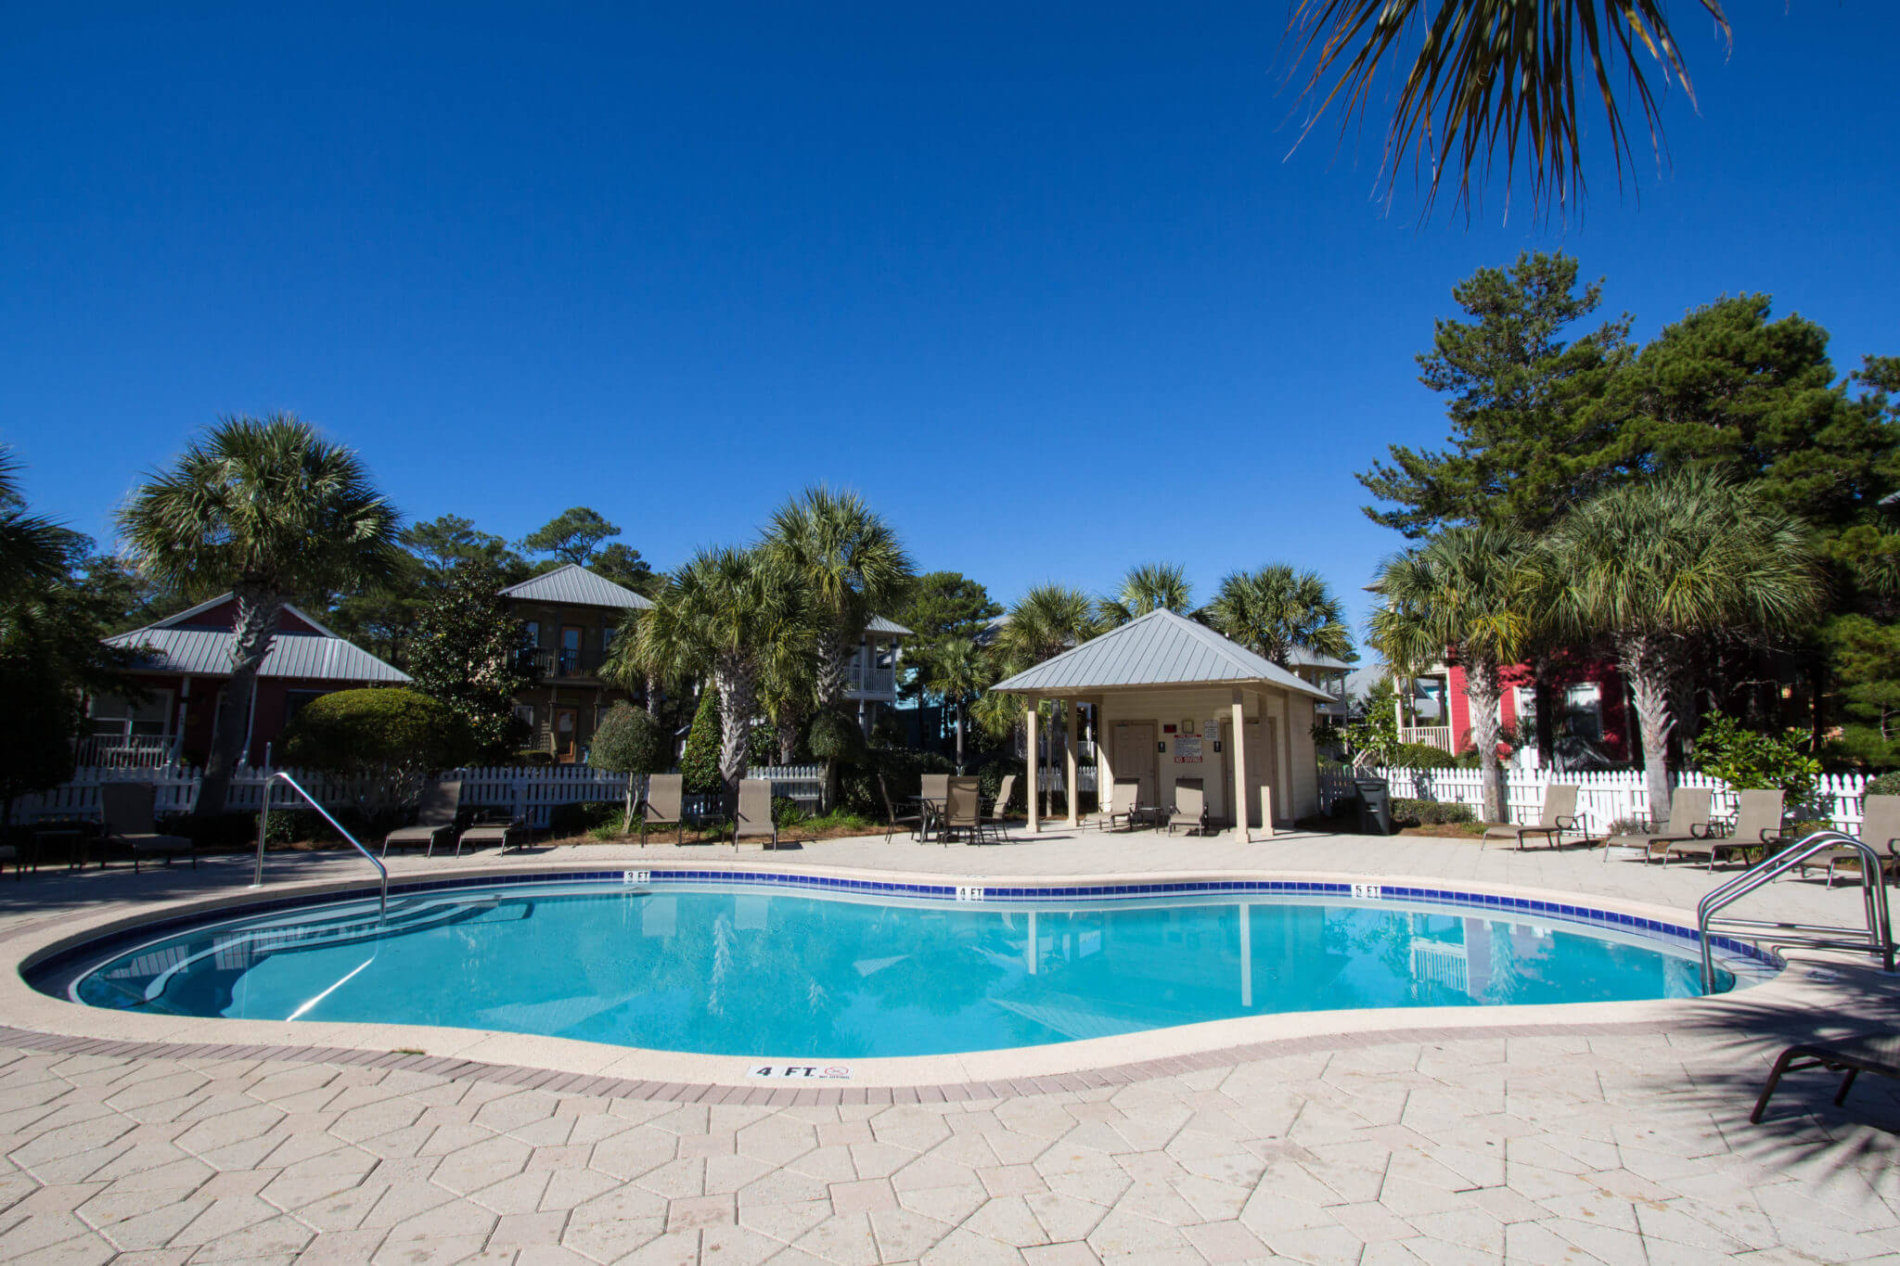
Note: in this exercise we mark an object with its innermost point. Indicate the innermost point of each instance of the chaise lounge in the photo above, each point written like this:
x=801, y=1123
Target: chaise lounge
x=1559, y=815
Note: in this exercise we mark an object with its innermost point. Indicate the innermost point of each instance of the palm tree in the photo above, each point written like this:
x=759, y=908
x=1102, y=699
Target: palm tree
x=733, y=615
x=1048, y=620
x=851, y=562
x=1490, y=75
x=1657, y=567
x=1463, y=594
x=33, y=549
x=955, y=669
x=1277, y=609
x=267, y=509
x=1149, y=587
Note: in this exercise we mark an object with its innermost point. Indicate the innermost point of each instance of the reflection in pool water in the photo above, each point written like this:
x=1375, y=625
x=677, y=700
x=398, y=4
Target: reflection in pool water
x=769, y=973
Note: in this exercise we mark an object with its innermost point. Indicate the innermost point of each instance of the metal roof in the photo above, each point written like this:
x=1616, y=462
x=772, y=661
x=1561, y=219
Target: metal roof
x=1304, y=658
x=573, y=585
x=1159, y=649
x=207, y=652
x=879, y=624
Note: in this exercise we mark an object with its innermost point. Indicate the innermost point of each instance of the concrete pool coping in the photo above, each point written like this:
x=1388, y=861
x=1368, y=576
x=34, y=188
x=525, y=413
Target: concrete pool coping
x=34, y=1018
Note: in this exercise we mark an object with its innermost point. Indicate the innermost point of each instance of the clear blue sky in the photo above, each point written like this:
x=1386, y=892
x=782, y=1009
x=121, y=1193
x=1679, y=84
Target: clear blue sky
x=1041, y=281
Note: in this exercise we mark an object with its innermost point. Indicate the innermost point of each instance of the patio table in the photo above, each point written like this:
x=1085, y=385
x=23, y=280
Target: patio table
x=929, y=812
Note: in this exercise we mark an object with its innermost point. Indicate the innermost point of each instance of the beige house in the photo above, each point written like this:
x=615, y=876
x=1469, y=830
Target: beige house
x=1174, y=699
x=573, y=616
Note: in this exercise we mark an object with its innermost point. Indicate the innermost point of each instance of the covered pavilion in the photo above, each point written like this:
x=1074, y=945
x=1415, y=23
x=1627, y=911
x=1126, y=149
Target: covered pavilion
x=1174, y=699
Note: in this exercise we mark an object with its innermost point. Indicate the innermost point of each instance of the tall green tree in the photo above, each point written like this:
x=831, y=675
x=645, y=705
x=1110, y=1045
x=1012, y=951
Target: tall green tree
x=1046, y=621
x=1146, y=588
x=623, y=565
x=266, y=508
x=472, y=654
x=956, y=670
x=1494, y=79
x=725, y=616
x=1657, y=566
x=1528, y=437
x=572, y=536
x=1460, y=596
x=1278, y=609
x=946, y=604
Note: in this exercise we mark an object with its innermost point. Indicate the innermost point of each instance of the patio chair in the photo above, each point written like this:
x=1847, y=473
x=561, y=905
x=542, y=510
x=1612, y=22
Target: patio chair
x=500, y=832
x=1124, y=803
x=1688, y=820
x=754, y=821
x=435, y=817
x=1757, y=824
x=127, y=809
x=1559, y=815
x=1879, y=829
x=932, y=794
x=664, y=804
x=1190, y=805
x=1878, y=1054
x=963, y=811
x=999, y=808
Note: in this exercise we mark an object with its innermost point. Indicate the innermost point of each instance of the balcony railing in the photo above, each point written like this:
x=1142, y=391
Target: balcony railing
x=871, y=680
x=1438, y=736
x=556, y=663
x=120, y=751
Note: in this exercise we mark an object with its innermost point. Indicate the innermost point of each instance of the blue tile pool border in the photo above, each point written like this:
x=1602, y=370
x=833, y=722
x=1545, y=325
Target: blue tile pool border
x=62, y=960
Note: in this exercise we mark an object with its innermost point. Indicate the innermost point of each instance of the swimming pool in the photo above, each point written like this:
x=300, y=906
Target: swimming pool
x=764, y=966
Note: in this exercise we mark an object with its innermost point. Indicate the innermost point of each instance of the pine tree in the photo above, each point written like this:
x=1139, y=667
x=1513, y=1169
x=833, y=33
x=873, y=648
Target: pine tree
x=470, y=652
x=699, y=763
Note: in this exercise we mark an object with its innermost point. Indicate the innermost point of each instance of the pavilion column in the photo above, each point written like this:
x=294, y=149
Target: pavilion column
x=1243, y=790
x=1075, y=798
x=1035, y=765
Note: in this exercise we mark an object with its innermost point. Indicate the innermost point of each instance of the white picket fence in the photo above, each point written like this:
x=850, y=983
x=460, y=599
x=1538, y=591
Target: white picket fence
x=526, y=791
x=1602, y=798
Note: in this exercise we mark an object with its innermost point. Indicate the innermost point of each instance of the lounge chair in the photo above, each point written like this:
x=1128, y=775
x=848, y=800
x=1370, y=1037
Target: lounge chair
x=1190, y=805
x=1688, y=820
x=963, y=812
x=127, y=808
x=999, y=808
x=1879, y=829
x=1757, y=823
x=500, y=833
x=1124, y=803
x=1559, y=815
x=664, y=804
x=754, y=821
x=1878, y=1054
x=435, y=817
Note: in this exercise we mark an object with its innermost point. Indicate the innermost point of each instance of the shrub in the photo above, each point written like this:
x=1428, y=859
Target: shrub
x=533, y=756
x=581, y=818
x=699, y=764
x=1749, y=760
x=1888, y=784
x=1422, y=756
x=630, y=741
x=382, y=740
x=1430, y=813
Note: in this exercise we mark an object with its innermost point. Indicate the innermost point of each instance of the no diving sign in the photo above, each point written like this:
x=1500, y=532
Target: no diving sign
x=801, y=1072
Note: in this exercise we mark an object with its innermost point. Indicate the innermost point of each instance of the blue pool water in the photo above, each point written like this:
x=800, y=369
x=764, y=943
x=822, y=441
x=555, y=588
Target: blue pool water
x=760, y=972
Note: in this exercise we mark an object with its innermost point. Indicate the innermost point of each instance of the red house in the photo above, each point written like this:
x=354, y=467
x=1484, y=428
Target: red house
x=183, y=664
x=1591, y=717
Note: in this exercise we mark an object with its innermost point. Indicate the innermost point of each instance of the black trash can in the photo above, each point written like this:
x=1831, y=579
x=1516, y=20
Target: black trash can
x=1375, y=805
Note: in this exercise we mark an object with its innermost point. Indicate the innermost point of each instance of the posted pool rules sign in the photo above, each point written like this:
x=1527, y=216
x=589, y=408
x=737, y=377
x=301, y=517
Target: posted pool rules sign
x=801, y=1072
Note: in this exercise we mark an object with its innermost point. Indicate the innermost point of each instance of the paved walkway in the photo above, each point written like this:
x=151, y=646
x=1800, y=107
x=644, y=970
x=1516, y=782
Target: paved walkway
x=1599, y=1145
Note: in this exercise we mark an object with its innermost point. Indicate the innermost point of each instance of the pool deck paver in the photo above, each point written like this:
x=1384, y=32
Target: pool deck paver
x=1600, y=1144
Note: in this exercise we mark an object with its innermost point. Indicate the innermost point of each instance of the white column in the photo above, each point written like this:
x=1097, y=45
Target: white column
x=1242, y=792
x=1075, y=799
x=1035, y=790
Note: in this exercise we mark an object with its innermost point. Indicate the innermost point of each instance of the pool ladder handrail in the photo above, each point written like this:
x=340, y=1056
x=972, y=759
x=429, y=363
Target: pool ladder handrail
x=1876, y=939
x=263, y=827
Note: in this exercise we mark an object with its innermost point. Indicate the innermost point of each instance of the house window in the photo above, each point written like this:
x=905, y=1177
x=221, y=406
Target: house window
x=1583, y=711
x=534, y=632
x=524, y=713
x=116, y=717
x=295, y=700
x=607, y=640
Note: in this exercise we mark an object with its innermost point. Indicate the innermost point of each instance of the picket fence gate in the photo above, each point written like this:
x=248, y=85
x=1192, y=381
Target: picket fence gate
x=1602, y=798
x=532, y=792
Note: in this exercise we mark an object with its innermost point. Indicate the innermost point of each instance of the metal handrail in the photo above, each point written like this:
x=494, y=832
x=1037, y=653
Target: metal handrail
x=263, y=827
x=1878, y=938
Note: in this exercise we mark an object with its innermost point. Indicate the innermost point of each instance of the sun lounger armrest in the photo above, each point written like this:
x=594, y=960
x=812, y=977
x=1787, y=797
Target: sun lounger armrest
x=1569, y=822
x=1708, y=830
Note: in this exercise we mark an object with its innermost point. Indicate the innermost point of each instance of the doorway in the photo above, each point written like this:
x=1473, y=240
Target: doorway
x=1132, y=755
x=566, y=721
x=1262, y=760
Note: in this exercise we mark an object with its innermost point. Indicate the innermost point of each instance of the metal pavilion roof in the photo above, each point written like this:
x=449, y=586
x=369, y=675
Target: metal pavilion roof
x=1159, y=649
x=573, y=585
x=879, y=624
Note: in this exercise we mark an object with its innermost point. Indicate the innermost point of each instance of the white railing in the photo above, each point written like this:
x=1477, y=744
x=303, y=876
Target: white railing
x=526, y=791
x=1602, y=798
x=1438, y=736
x=870, y=681
x=120, y=751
